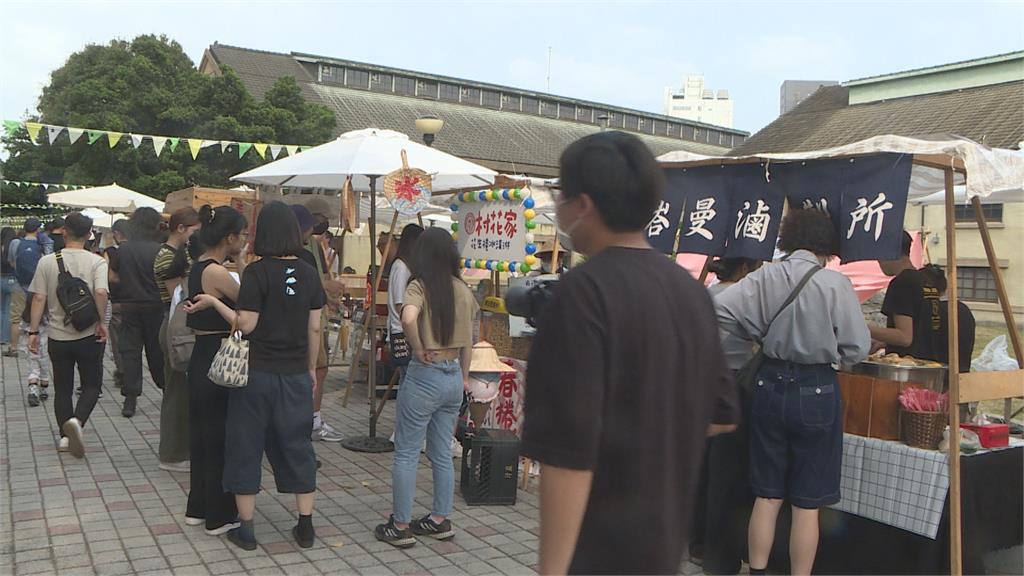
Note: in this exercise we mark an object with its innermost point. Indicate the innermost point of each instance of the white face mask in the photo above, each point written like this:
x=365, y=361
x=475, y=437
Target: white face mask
x=565, y=236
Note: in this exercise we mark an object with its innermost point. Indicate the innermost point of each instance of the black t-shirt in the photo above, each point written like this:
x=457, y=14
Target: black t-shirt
x=912, y=294
x=116, y=294
x=283, y=291
x=625, y=373
x=134, y=266
x=965, y=333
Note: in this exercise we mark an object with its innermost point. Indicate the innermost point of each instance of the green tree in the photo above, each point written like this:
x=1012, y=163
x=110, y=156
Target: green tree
x=150, y=86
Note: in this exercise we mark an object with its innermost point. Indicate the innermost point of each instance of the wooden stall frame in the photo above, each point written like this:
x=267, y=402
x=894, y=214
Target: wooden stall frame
x=969, y=387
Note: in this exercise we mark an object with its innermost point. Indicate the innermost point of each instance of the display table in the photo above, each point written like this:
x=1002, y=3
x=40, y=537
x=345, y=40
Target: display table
x=894, y=516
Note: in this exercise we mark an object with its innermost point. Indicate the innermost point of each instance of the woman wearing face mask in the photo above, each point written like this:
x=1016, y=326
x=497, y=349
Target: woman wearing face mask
x=437, y=317
x=223, y=235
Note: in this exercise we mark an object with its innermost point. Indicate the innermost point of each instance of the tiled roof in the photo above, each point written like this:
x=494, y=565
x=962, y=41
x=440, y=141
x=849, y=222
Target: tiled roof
x=502, y=140
x=992, y=115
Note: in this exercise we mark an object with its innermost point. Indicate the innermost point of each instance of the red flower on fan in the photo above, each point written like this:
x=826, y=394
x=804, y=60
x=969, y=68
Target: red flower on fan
x=407, y=188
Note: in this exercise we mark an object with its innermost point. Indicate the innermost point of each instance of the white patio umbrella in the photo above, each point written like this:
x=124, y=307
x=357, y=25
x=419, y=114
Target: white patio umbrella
x=367, y=156
x=112, y=198
x=101, y=219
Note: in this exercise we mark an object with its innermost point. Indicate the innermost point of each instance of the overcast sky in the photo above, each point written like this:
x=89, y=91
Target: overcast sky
x=611, y=52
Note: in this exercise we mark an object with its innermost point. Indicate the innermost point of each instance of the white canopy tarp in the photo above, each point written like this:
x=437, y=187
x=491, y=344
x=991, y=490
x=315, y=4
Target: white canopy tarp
x=101, y=219
x=960, y=197
x=988, y=169
x=365, y=153
x=112, y=198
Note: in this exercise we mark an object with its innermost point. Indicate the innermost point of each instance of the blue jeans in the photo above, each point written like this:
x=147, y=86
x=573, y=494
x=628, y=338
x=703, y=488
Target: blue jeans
x=428, y=406
x=8, y=284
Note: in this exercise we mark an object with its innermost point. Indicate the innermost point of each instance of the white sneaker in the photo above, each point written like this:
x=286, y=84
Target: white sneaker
x=456, y=448
x=190, y=521
x=73, y=431
x=62, y=446
x=183, y=466
x=223, y=529
x=327, y=434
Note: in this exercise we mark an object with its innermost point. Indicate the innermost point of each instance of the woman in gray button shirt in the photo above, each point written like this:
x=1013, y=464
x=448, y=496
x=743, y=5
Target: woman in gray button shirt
x=796, y=428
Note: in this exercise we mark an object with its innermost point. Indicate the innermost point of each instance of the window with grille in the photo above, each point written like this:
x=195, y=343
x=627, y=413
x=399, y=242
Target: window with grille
x=965, y=212
x=330, y=74
x=491, y=99
x=674, y=130
x=381, y=82
x=549, y=109
x=405, y=86
x=509, y=102
x=450, y=92
x=357, y=78
x=531, y=105
x=471, y=96
x=426, y=89
x=976, y=283
x=584, y=114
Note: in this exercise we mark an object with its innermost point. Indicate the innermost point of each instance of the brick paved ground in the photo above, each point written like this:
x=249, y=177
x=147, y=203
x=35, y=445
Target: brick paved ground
x=115, y=512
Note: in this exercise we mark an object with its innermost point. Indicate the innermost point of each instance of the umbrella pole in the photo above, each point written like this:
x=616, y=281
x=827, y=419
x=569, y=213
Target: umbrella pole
x=371, y=443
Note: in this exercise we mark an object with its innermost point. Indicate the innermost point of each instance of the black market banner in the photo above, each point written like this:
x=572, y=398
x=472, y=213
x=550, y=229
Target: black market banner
x=757, y=203
x=54, y=134
x=662, y=229
x=874, y=203
x=707, y=214
x=736, y=210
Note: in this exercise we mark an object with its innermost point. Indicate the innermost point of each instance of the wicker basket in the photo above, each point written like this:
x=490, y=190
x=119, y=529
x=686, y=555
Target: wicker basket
x=494, y=329
x=922, y=429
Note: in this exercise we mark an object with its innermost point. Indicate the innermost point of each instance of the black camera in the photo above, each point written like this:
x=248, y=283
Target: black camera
x=528, y=300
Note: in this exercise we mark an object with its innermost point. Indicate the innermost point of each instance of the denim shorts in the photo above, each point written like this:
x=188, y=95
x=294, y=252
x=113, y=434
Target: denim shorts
x=796, y=434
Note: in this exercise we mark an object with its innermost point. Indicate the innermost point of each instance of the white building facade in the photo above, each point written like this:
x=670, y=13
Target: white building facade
x=696, y=102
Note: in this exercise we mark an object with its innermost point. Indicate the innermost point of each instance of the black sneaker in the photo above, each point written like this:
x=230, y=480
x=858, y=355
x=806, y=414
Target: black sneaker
x=427, y=527
x=235, y=537
x=303, y=542
x=33, y=395
x=44, y=390
x=394, y=535
x=129, y=407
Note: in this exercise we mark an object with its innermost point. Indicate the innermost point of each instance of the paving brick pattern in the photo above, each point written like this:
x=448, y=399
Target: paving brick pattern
x=115, y=512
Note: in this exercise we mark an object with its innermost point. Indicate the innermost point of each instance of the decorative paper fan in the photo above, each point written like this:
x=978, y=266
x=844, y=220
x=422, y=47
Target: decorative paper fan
x=407, y=189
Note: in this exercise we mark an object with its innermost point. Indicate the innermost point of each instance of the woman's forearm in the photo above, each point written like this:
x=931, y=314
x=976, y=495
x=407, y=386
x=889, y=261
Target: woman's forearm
x=465, y=358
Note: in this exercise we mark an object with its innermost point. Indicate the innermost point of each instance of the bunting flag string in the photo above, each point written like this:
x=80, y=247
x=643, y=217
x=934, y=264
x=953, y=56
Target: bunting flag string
x=47, y=185
x=195, y=145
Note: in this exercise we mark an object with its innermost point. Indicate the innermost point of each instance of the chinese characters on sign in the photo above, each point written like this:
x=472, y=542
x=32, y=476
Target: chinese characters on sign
x=506, y=411
x=659, y=224
x=704, y=212
x=753, y=225
x=872, y=214
x=661, y=231
x=492, y=231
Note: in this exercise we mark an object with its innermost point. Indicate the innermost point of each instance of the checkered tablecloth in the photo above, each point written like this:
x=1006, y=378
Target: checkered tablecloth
x=894, y=484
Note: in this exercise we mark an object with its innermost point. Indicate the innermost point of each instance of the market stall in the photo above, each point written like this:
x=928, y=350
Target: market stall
x=865, y=187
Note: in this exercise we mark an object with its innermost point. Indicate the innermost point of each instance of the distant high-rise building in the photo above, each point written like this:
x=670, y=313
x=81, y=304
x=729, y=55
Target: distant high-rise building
x=695, y=102
x=793, y=92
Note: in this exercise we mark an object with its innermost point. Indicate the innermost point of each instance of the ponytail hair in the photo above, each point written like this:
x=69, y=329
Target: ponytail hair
x=219, y=223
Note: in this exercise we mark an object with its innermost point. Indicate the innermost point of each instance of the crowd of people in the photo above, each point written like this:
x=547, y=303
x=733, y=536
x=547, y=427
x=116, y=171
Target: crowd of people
x=634, y=409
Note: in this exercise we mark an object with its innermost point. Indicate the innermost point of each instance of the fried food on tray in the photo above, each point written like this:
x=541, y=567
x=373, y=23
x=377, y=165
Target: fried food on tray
x=894, y=359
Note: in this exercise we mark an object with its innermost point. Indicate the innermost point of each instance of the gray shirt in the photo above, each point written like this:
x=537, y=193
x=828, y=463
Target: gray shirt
x=824, y=325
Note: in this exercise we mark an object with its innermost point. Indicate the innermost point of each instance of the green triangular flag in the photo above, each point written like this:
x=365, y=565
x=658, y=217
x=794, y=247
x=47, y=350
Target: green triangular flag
x=12, y=127
x=94, y=135
x=174, y=143
x=243, y=147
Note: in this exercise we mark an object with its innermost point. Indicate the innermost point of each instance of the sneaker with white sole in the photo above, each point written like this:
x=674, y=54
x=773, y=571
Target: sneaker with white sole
x=33, y=395
x=391, y=534
x=183, y=466
x=44, y=390
x=427, y=527
x=326, y=433
x=73, y=431
x=62, y=445
x=190, y=521
x=223, y=529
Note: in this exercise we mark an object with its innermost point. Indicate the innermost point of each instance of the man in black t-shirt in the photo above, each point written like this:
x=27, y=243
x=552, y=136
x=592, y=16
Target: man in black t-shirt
x=911, y=307
x=626, y=376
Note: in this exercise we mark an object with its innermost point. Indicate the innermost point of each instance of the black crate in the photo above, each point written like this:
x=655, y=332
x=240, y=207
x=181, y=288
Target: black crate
x=490, y=467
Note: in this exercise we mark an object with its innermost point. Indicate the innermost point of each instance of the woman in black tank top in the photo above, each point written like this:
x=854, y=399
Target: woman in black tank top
x=223, y=235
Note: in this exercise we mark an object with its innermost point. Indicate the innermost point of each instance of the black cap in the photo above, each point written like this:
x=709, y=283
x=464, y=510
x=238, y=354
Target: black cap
x=32, y=224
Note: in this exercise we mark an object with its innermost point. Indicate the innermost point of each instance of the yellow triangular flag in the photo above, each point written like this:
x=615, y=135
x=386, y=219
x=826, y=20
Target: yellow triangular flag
x=292, y=150
x=33, y=129
x=261, y=149
x=194, y=144
x=114, y=137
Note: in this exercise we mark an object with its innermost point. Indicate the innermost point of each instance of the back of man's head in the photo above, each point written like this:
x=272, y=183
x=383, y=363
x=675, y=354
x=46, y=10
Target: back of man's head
x=619, y=173
x=906, y=241
x=77, y=226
